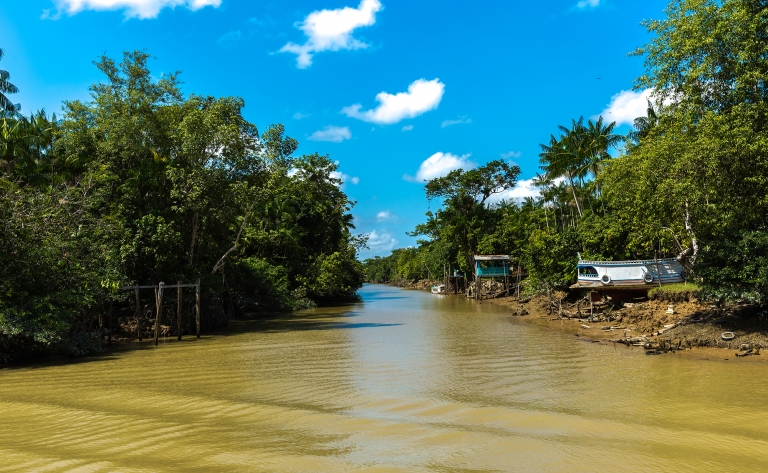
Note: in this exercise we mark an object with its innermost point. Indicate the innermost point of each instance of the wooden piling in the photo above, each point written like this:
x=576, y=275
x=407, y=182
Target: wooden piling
x=138, y=313
x=159, y=306
x=197, y=307
x=178, y=309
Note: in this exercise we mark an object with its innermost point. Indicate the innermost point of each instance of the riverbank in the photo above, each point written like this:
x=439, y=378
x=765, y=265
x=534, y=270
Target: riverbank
x=656, y=326
x=667, y=323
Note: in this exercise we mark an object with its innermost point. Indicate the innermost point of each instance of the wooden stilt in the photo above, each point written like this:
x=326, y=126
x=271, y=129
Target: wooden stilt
x=178, y=309
x=109, y=335
x=197, y=307
x=138, y=313
x=159, y=305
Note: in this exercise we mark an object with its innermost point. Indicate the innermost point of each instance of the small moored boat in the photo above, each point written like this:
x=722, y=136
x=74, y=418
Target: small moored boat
x=636, y=274
x=438, y=289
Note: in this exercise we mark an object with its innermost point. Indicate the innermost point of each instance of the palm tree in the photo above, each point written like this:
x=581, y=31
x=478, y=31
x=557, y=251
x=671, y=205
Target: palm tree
x=599, y=138
x=644, y=125
x=6, y=106
x=566, y=156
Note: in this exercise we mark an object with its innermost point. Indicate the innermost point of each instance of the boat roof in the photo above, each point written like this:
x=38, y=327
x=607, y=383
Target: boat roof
x=491, y=257
x=618, y=263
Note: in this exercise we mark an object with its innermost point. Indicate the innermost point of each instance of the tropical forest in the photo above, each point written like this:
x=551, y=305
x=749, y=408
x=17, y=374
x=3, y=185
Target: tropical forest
x=144, y=184
x=690, y=180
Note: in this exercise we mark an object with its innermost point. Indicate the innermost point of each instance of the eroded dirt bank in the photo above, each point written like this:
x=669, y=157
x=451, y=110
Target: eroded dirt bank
x=657, y=326
x=671, y=323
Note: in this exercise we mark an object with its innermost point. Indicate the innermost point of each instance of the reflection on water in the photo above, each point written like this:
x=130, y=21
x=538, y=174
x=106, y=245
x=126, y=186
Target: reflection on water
x=406, y=381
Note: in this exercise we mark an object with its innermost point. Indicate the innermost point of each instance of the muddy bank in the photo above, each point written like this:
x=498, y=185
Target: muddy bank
x=657, y=326
x=669, y=322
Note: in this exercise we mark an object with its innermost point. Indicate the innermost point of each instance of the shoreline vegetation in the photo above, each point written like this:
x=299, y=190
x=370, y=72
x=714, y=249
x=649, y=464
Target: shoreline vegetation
x=689, y=181
x=143, y=184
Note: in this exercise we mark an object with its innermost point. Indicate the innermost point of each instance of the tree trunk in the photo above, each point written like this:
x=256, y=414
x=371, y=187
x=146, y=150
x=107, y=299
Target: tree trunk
x=573, y=189
x=694, y=241
x=195, y=223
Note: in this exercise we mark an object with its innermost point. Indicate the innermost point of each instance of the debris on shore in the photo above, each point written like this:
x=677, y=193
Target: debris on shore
x=658, y=324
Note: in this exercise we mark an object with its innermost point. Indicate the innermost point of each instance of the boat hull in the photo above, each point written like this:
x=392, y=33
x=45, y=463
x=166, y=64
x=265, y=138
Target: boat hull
x=637, y=275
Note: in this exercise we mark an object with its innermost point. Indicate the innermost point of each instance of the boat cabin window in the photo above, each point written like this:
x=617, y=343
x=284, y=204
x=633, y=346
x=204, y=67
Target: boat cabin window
x=587, y=271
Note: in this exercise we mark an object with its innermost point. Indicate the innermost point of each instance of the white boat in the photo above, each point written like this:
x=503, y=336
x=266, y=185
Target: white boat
x=438, y=289
x=637, y=274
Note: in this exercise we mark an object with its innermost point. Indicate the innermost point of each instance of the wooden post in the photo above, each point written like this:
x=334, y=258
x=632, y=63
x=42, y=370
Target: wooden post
x=197, y=307
x=178, y=309
x=138, y=313
x=159, y=305
x=109, y=336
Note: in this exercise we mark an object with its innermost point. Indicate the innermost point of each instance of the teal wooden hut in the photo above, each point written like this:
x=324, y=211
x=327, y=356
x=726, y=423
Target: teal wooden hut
x=490, y=266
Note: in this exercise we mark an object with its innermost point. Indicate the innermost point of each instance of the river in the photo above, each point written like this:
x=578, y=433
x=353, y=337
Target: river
x=404, y=381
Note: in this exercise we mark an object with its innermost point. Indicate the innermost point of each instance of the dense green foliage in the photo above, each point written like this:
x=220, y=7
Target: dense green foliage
x=690, y=180
x=144, y=184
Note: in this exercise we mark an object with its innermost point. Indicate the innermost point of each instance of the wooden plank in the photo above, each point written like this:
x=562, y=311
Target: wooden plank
x=159, y=304
x=197, y=307
x=178, y=310
x=138, y=314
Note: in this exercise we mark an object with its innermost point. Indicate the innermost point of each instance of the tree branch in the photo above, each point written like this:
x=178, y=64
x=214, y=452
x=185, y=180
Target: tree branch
x=220, y=263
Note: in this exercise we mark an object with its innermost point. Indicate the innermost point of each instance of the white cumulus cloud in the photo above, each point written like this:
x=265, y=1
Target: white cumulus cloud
x=440, y=164
x=523, y=189
x=334, y=134
x=142, y=9
x=344, y=178
x=331, y=30
x=626, y=106
x=407, y=127
x=385, y=215
x=381, y=240
x=421, y=97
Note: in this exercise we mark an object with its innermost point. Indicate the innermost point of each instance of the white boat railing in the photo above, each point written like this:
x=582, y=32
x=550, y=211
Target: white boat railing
x=640, y=261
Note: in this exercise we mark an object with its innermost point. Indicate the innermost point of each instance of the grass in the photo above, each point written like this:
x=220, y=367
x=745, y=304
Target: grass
x=672, y=289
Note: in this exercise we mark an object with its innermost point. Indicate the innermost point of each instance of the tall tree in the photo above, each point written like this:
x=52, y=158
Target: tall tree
x=6, y=88
x=567, y=156
x=600, y=139
x=464, y=219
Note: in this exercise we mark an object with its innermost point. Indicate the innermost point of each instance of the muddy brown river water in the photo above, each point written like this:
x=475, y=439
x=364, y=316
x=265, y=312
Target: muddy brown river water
x=405, y=381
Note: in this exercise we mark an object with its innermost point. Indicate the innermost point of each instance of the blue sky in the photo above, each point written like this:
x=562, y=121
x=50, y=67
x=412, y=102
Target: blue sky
x=396, y=91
